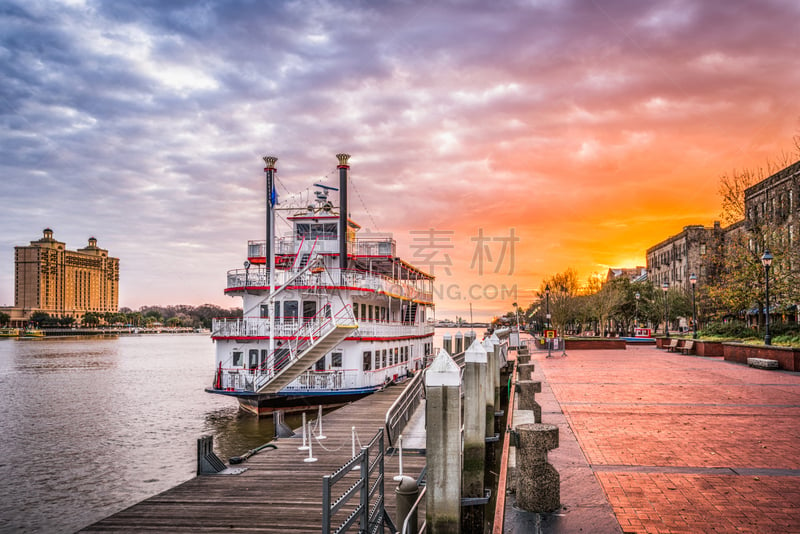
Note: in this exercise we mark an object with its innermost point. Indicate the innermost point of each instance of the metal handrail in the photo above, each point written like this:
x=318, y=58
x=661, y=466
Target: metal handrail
x=401, y=409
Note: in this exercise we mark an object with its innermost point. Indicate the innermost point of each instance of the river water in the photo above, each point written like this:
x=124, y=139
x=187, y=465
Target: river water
x=91, y=426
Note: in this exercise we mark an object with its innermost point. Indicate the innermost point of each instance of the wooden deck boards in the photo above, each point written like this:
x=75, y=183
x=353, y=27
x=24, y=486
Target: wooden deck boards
x=279, y=492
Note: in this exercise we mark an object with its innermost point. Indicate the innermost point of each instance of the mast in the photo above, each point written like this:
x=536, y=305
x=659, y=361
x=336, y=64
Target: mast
x=269, y=251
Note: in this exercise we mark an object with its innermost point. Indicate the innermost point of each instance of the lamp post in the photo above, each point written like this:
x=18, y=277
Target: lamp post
x=547, y=318
x=693, y=280
x=246, y=273
x=637, y=296
x=665, y=287
x=766, y=259
x=547, y=309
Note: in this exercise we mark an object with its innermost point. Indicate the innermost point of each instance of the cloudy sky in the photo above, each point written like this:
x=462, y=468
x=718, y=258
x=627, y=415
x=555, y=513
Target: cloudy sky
x=500, y=142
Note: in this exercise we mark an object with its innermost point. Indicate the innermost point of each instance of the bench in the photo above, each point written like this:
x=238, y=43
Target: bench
x=673, y=345
x=688, y=346
x=763, y=363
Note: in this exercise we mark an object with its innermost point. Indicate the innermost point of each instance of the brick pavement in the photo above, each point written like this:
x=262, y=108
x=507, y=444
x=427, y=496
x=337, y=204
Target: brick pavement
x=684, y=443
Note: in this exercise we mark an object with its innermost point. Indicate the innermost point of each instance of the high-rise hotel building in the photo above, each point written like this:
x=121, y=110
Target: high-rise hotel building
x=61, y=282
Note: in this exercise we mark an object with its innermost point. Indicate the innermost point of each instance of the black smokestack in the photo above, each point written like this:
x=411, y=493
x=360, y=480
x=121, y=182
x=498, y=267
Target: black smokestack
x=343, y=170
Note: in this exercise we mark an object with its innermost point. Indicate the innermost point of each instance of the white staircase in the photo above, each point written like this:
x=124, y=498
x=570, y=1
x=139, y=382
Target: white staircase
x=304, y=354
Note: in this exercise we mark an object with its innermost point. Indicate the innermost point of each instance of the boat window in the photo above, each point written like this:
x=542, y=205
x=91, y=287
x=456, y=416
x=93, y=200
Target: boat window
x=384, y=358
x=367, y=360
x=396, y=355
x=325, y=231
x=264, y=358
x=237, y=358
x=264, y=311
x=309, y=310
x=253, y=358
x=355, y=311
x=290, y=310
x=336, y=359
x=370, y=312
x=320, y=365
x=364, y=312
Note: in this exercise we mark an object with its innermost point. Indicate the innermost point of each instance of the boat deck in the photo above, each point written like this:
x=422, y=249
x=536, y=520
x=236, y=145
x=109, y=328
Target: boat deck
x=279, y=492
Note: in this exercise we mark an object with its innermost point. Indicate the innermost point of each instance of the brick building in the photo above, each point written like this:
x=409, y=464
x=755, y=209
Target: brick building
x=63, y=283
x=776, y=201
x=677, y=257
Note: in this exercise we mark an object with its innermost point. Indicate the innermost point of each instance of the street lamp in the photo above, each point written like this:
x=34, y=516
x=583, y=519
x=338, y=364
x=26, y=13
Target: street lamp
x=246, y=273
x=637, y=296
x=665, y=287
x=548, y=340
x=547, y=309
x=766, y=259
x=693, y=280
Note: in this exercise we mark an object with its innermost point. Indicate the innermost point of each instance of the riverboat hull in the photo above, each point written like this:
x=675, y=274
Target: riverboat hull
x=263, y=405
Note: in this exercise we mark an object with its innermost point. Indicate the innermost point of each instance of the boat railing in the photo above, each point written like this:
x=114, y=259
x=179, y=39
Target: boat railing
x=253, y=327
x=394, y=329
x=242, y=279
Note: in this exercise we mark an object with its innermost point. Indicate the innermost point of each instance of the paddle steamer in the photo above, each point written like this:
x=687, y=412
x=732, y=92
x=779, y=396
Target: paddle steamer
x=328, y=315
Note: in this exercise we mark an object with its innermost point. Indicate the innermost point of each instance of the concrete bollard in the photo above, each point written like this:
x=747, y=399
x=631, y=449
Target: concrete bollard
x=488, y=346
x=469, y=338
x=523, y=358
x=538, y=482
x=406, y=494
x=447, y=343
x=525, y=371
x=443, y=445
x=472, y=482
x=527, y=397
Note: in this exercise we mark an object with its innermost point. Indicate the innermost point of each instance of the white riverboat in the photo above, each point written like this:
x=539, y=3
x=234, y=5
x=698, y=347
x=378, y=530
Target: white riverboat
x=338, y=315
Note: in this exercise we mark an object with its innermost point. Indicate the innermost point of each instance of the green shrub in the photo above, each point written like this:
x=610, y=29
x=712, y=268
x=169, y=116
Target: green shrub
x=730, y=329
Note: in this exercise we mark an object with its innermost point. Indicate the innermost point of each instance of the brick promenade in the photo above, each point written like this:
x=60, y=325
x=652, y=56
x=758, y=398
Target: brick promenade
x=683, y=443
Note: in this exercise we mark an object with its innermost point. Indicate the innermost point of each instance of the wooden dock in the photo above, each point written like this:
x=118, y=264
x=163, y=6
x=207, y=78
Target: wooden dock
x=279, y=492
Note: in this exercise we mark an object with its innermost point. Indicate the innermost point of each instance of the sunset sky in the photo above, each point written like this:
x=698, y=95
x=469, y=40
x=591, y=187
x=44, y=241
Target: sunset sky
x=586, y=130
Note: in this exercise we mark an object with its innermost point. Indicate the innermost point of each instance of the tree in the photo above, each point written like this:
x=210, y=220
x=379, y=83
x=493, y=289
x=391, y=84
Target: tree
x=563, y=292
x=4, y=318
x=90, y=319
x=43, y=319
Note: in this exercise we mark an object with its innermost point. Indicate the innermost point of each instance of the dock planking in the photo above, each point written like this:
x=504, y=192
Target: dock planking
x=279, y=492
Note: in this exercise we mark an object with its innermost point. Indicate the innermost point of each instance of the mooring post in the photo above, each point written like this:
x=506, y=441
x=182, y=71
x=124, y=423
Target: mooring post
x=538, y=482
x=406, y=494
x=525, y=371
x=527, y=397
x=498, y=362
x=489, y=389
x=443, y=444
x=459, y=343
x=472, y=483
x=469, y=338
x=447, y=343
